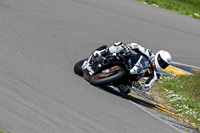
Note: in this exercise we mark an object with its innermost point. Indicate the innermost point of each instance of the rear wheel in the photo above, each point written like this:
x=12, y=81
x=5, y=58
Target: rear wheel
x=106, y=78
x=78, y=67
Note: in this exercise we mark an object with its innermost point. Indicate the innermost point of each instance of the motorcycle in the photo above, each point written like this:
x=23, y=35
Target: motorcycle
x=113, y=69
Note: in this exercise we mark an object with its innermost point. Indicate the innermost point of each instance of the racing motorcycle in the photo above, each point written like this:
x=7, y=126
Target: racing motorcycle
x=113, y=69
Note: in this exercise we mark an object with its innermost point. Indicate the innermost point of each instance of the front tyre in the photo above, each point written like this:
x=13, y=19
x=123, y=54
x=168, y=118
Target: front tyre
x=100, y=79
x=78, y=67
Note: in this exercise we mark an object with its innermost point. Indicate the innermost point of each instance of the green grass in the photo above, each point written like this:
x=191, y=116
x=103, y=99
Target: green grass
x=183, y=93
x=1, y=131
x=187, y=7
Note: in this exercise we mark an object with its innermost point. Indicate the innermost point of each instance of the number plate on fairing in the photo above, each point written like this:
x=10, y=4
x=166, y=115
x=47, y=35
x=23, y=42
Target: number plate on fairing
x=87, y=66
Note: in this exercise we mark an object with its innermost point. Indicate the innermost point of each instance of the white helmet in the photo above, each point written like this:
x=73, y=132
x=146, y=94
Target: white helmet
x=162, y=59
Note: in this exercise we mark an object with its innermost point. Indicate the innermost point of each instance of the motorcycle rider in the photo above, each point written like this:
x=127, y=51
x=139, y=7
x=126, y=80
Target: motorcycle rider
x=158, y=61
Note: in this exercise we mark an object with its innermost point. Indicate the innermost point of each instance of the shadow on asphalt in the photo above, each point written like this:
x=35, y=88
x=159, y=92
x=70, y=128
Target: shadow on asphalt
x=178, y=123
x=127, y=97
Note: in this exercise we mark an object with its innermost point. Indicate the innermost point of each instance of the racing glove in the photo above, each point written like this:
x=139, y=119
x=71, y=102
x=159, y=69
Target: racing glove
x=97, y=53
x=102, y=52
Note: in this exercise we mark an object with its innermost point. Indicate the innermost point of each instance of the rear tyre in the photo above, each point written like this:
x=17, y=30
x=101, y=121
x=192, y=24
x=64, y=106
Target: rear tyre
x=78, y=67
x=97, y=80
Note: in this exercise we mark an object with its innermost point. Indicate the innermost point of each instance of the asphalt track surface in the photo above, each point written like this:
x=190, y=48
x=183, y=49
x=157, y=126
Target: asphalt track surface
x=41, y=40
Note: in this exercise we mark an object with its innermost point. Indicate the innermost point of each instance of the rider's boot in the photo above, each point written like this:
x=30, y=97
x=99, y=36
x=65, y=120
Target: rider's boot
x=125, y=88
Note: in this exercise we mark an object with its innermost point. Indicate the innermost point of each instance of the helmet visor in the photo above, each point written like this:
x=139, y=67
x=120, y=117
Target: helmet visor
x=161, y=62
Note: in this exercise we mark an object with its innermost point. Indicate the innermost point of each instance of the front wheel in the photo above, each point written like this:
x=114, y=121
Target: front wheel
x=103, y=79
x=78, y=67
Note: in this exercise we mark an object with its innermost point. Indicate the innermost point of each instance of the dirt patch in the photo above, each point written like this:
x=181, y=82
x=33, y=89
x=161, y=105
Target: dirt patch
x=156, y=93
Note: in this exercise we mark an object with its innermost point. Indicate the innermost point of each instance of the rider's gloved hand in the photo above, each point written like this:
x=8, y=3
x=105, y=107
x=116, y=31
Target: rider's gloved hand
x=97, y=53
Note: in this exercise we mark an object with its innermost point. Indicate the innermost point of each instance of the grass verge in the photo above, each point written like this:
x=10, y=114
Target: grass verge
x=182, y=93
x=190, y=8
x=1, y=131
